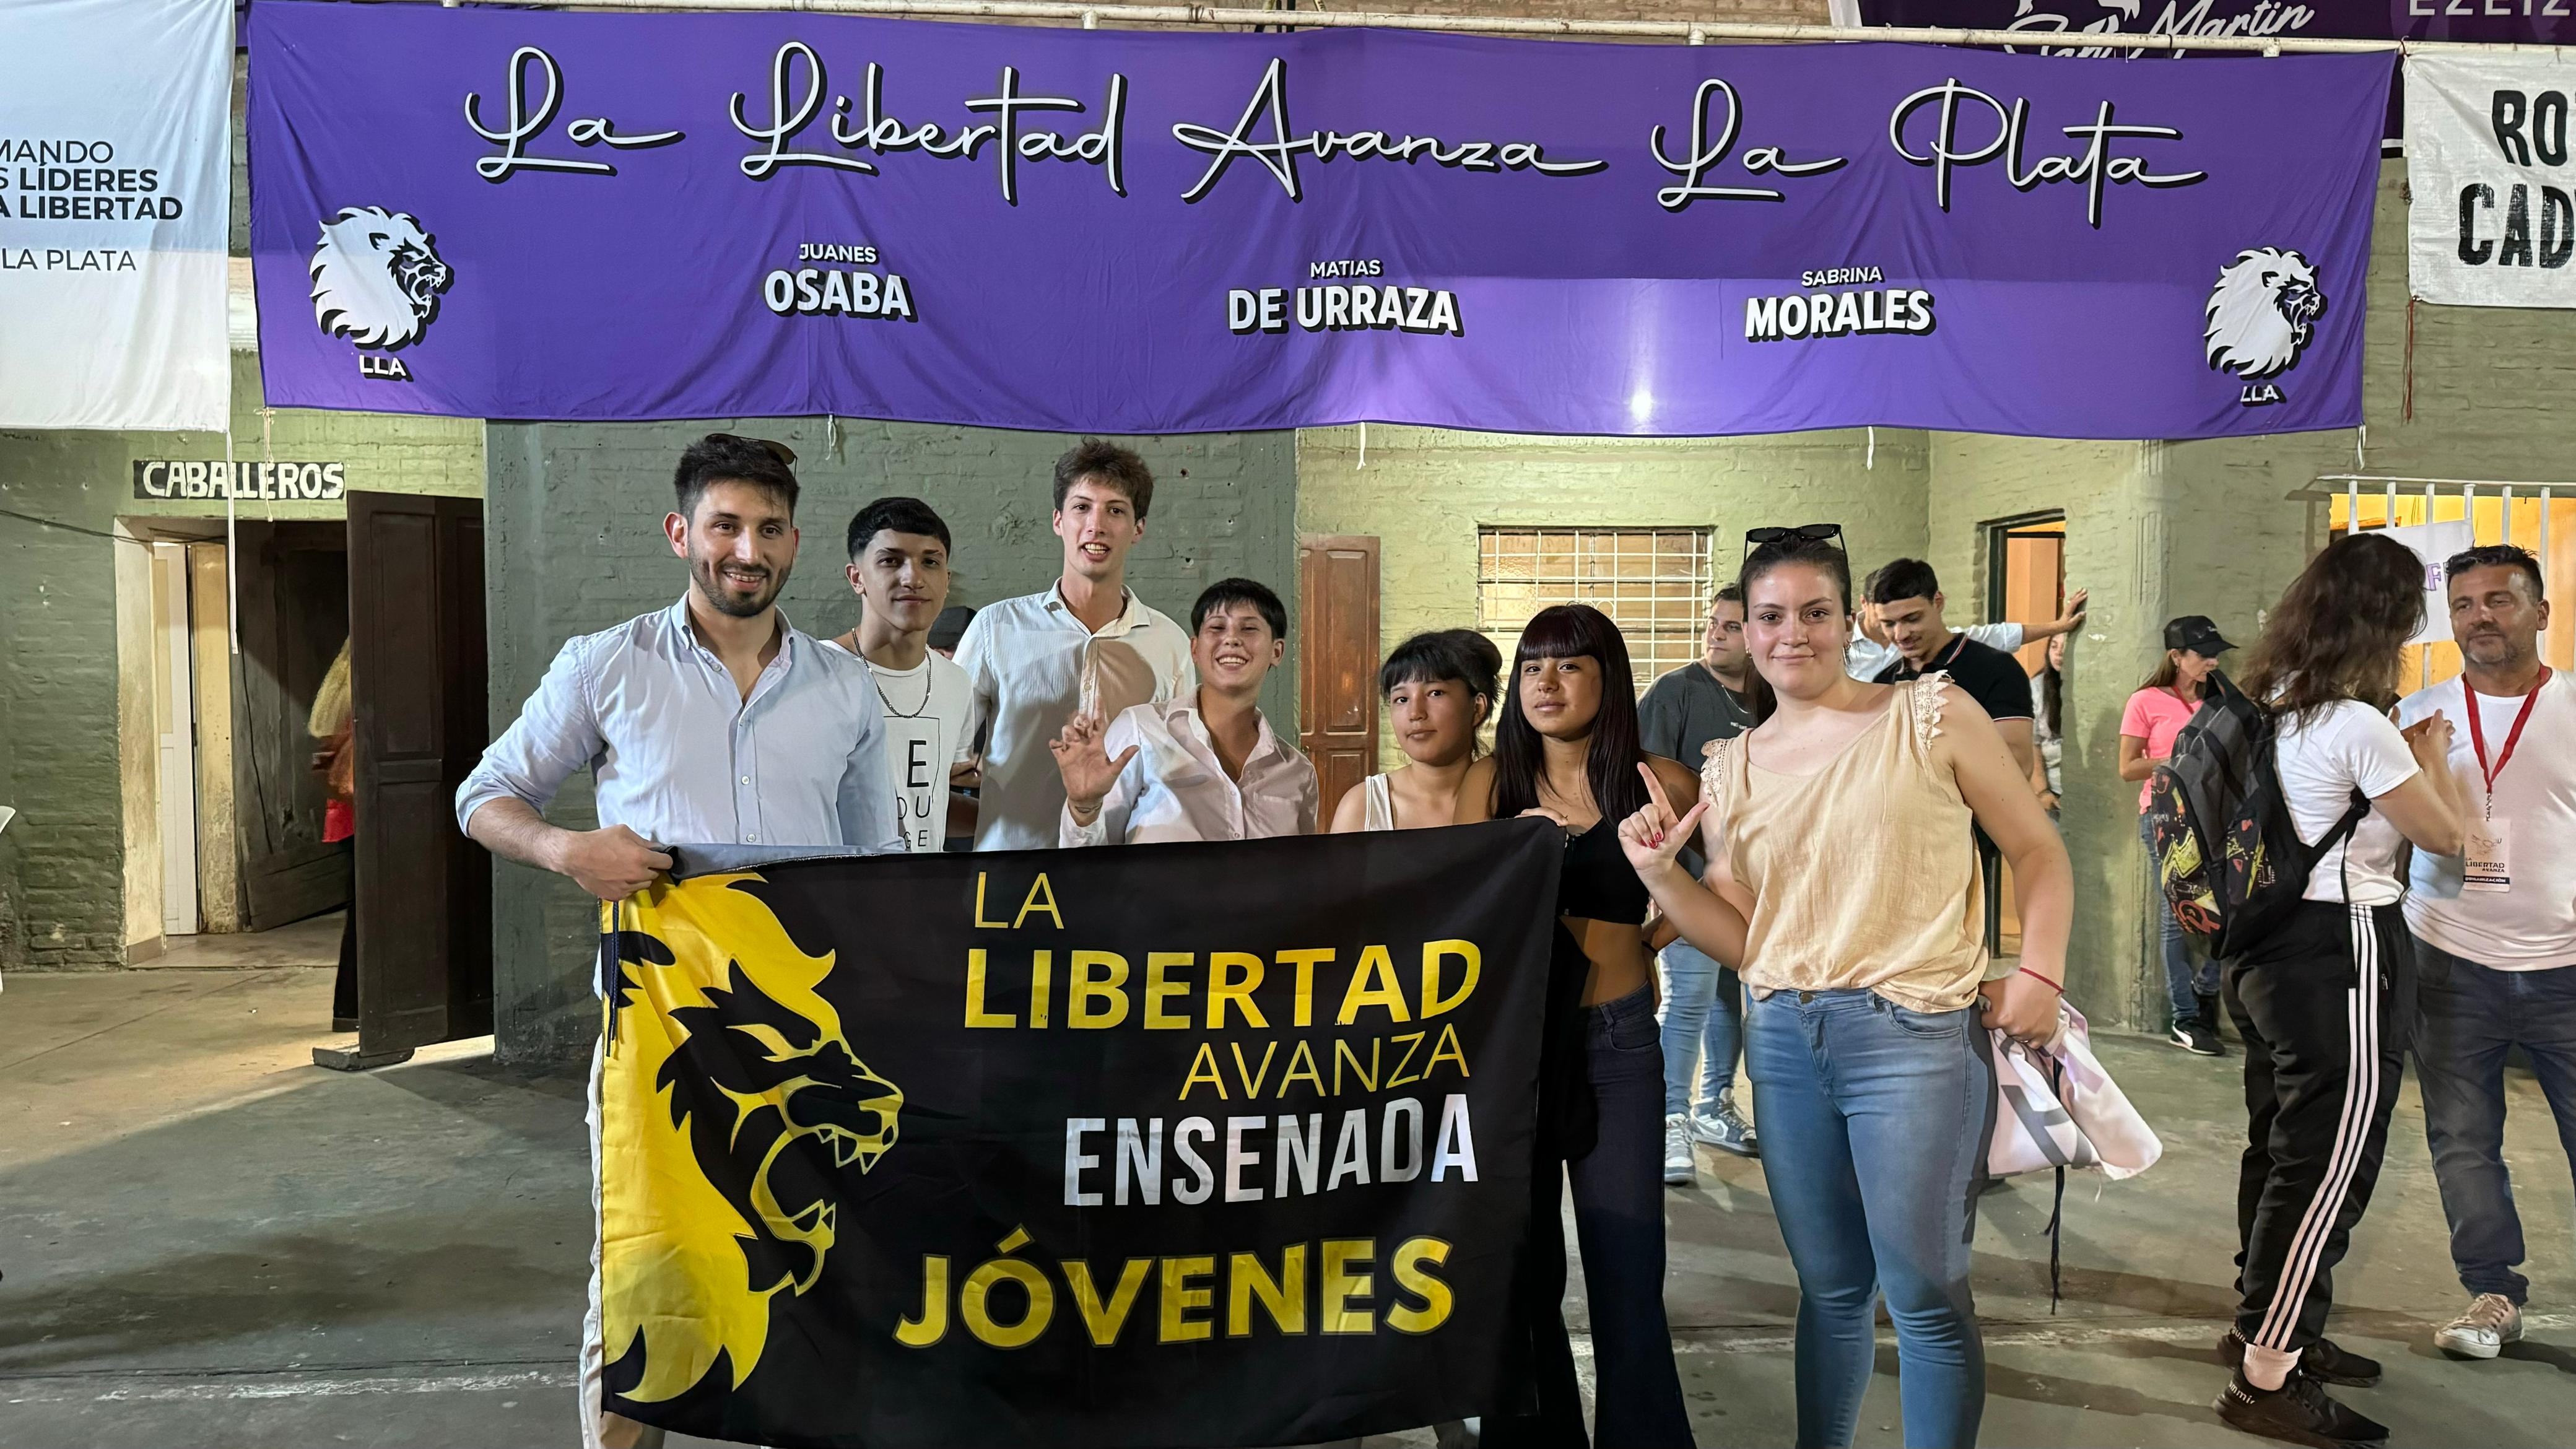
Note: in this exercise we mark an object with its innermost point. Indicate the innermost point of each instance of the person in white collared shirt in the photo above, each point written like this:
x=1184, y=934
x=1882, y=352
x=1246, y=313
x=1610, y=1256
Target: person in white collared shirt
x=1086, y=646
x=1205, y=766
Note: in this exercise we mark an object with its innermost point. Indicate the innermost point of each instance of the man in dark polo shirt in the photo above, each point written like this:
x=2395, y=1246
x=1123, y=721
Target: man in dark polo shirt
x=1908, y=598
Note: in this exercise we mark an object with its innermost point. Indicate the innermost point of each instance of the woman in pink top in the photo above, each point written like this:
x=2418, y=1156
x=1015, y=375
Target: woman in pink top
x=2157, y=713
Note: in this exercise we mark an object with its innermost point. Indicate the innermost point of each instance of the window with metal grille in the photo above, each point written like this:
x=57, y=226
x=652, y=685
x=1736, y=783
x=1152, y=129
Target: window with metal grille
x=1652, y=582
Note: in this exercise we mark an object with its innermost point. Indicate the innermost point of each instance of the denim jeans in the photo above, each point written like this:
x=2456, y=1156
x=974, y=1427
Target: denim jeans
x=2185, y=981
x=1872, y=1125
x=2468, y=1016
x=1703, y=1027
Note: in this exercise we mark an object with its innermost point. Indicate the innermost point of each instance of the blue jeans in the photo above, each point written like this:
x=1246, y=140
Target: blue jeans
x=2467, y=1017
x=1872, y=1125
x=2185, y=981
x=1703, y=1024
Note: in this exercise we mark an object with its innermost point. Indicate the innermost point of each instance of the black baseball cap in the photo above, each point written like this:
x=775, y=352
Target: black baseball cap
x=2196, y=633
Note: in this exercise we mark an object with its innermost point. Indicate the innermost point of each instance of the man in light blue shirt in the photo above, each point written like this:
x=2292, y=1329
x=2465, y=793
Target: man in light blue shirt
x=711, y=722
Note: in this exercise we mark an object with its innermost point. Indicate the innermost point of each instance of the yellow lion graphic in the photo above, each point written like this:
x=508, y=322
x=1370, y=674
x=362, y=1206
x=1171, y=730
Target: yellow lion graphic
x=730, y=1102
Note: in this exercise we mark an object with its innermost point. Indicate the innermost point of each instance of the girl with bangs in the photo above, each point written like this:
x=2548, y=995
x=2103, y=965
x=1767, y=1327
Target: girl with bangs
x=1566, y=748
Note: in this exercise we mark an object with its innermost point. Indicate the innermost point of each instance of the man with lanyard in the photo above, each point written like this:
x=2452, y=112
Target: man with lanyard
x=713, y=721
x=1708, y=699
x=2495, y=930
x=1086, y=646
x=899, y=555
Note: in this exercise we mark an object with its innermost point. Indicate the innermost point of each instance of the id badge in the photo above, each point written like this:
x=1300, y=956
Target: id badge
x=2487, y=864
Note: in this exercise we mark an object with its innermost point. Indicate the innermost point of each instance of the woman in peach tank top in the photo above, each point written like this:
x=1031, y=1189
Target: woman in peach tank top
x=1843, y=886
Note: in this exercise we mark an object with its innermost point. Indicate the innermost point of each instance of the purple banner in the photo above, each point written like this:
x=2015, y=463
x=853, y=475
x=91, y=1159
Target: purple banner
x=599, y=216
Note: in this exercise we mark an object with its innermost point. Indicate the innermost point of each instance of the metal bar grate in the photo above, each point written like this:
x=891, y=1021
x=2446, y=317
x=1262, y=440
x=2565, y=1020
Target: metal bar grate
x=1654, y=583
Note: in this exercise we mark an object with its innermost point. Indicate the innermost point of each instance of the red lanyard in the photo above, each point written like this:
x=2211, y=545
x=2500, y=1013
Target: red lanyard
x=2478, y=732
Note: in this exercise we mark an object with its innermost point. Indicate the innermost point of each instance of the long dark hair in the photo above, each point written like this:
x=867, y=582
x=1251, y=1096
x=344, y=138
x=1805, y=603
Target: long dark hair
x=2052, y=694
x=2337, y=631
x=1762, y=559
x=1567, y=631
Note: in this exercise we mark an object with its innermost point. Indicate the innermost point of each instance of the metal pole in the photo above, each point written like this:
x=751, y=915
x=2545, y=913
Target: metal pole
x=1217, y=15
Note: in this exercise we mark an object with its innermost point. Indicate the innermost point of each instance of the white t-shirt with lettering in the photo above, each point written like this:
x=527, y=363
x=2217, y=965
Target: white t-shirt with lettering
x=2530, y=926
x=2344, y=747
x=930, y=725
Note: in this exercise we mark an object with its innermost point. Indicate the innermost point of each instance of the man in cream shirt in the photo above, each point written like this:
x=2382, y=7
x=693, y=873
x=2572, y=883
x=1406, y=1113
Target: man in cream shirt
x=1086, y=646
x=1205, y=766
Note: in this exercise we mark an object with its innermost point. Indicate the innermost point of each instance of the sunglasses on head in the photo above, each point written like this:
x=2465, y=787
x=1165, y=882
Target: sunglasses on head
x=1804, y=533
x=783, y=453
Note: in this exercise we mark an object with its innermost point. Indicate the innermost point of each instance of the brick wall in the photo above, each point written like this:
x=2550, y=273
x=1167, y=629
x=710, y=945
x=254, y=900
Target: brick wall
x=2219, y=528
x=1426, y=491
x=574, y=544
x=63, y=899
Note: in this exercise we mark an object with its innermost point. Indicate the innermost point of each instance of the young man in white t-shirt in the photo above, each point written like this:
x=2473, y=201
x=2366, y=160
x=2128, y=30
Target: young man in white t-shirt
x=2495, y=928
x=899, y=569
x=1086, y=646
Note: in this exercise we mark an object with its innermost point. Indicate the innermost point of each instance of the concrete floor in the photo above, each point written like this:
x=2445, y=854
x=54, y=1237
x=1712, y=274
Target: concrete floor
x=207, y=1241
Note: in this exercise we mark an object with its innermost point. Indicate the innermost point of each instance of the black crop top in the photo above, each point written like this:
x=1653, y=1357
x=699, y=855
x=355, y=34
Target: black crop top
x=1596, y=882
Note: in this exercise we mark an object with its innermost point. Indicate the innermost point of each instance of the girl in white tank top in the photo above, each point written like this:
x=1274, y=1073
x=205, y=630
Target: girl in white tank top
x=1438, y=688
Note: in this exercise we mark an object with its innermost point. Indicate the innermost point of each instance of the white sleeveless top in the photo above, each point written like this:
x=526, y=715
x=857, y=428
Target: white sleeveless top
x=1380, y=804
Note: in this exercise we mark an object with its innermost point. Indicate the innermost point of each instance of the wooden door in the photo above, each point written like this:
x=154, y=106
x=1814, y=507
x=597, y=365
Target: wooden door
x=416, y=668
x=1337, y=660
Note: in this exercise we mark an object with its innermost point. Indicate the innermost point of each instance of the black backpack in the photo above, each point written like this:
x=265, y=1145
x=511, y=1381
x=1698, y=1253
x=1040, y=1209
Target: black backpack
x=2226, y=851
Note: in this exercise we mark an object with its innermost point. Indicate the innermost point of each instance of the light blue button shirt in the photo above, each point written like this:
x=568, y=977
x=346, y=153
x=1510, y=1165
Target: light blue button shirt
x=682, y=757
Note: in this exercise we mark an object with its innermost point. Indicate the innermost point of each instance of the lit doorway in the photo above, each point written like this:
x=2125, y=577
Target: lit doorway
x=2025, y=584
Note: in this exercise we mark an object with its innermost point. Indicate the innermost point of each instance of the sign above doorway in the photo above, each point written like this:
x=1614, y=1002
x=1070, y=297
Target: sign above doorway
x=165, y=478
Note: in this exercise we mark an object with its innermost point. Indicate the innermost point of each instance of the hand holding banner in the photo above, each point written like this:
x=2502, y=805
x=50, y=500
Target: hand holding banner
x=1166, y=1145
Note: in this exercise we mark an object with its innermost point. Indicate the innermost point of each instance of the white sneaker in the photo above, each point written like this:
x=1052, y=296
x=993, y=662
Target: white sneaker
x=2491, y=1322
x=1681, y=1167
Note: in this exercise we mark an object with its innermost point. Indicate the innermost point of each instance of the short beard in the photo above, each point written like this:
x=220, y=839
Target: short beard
x=711, y=588
x=2514, y=657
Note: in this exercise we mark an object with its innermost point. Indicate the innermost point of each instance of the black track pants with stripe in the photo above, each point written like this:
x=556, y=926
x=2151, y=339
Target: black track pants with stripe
x=2324, y=1007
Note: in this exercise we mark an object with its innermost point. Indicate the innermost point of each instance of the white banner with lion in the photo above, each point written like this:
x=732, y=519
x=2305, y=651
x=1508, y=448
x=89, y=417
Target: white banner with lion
x=2492, y=222
x=114, y=192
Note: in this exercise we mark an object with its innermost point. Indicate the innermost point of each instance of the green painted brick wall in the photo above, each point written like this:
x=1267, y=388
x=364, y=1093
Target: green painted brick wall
x=573, y=541
x=62, y=862
x=1425, y=492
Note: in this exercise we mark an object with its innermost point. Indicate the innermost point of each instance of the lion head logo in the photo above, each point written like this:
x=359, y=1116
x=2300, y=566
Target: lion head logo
x=735, y=1113
x=376, y=277
x=2262, y=311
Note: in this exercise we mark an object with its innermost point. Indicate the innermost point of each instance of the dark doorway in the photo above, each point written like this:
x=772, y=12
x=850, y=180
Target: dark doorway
x=2026, y=584
x=424, y=891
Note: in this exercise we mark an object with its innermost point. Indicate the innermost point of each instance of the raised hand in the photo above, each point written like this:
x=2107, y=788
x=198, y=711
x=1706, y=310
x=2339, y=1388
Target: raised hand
x=1082, y=759
x=1654, y=837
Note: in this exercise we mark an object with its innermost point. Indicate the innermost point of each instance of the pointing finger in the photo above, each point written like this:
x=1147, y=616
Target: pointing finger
x=1655, y=790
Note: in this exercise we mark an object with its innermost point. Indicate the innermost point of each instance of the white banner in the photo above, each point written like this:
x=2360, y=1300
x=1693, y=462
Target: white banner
x=2434, y=543
x=2493, y=217
x=114, y=191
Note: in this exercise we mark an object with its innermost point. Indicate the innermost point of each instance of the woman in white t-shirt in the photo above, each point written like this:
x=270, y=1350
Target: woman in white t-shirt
x=2323, y=1000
